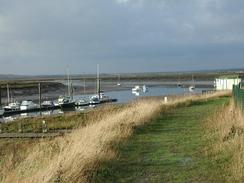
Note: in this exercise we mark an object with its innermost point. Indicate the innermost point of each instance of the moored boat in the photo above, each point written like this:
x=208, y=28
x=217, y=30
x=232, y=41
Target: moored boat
x=82, y=102
x=66, y=102
x=13, y=106
x=192, y=88
x=28, y=105
x=95, y=100
x=136, y=89
x=145, y=89
x=47, y=104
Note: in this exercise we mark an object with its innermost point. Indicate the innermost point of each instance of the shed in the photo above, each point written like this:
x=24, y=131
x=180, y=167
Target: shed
x=227, y=82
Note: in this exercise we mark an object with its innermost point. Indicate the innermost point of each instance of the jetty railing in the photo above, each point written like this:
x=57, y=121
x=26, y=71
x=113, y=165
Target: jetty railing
x=238, y=94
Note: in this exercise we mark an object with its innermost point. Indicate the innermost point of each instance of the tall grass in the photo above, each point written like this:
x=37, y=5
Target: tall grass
x=73, y=157
x=225, y=131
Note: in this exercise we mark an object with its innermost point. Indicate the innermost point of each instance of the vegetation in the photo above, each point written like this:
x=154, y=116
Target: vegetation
x=59, y=122
x=169, y=149
x=73, y=157
x=225, y=134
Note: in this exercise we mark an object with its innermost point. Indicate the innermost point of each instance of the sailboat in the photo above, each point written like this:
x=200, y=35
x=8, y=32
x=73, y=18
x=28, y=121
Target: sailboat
x=179, y=84
x=192, y=87
x=118, y=83
x=67, y=101
x=12, y=105
x=95, y=99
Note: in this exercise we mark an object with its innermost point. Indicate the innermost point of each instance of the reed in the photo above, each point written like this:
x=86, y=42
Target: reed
x=71, y=158
x=225, y=132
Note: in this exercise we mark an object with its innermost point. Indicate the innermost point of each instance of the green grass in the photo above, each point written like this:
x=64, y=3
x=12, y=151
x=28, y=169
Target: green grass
x=169, y=149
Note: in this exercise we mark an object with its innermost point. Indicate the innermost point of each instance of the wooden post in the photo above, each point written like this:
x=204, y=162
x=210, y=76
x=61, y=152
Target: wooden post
x=40, y=95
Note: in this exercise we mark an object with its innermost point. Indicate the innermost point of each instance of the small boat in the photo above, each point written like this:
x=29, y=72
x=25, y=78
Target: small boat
x=145, y=89
x=136, y=93
x=136, y=89
x=64, y=102
x=28, y=105
x=95, y=100
x=82, y=102
x=192, y=88
x=179, y=85
x=13, y=106
x=47, y=104
x=118, y=83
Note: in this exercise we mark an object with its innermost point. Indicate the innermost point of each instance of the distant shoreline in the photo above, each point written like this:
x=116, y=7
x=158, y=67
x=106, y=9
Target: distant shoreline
x=51, y=90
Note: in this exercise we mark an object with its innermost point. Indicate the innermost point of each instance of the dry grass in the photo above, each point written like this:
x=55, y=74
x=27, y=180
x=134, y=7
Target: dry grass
x=226, y=133
x=71, y=158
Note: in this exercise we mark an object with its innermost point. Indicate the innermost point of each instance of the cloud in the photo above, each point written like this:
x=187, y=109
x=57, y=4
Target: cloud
x=159, y=35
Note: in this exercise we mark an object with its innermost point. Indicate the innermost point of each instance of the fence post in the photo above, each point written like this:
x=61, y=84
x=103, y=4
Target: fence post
x=44, y=127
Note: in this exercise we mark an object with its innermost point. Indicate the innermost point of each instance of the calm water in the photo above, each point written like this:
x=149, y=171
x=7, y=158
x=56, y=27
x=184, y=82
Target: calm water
x=122, y=96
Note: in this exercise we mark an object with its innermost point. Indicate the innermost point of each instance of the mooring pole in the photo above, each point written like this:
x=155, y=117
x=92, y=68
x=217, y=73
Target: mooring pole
x=40, y=95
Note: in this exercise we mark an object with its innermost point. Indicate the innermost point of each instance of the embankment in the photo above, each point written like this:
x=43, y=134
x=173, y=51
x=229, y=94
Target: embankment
x=71, y=158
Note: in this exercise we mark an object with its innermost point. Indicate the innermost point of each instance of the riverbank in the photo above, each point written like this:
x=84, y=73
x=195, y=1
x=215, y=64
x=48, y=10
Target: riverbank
x=70, y=158
x=20, y=91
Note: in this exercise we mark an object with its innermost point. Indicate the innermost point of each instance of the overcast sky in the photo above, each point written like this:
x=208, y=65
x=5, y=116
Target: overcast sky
x=46, y=36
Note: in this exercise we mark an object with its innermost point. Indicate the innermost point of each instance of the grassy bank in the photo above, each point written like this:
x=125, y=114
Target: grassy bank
x=169, y=149
x=225, y=134
x=75, y=156
x=59, y=122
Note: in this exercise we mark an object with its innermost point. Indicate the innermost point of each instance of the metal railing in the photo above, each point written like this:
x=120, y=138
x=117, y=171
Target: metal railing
x=238, y=94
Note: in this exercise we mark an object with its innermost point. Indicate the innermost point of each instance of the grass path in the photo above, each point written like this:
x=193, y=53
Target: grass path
x=169, y=149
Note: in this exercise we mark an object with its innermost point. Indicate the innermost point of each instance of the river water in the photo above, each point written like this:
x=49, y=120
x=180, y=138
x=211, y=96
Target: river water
x=123, y=96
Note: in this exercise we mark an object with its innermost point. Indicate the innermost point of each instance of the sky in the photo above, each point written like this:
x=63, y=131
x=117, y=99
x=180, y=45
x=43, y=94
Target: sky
x=47, y=36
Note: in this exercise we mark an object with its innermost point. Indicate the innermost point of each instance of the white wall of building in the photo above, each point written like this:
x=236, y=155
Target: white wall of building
x=226, y=83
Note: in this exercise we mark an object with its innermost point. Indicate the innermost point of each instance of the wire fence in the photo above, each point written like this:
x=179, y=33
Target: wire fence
x=238, y=94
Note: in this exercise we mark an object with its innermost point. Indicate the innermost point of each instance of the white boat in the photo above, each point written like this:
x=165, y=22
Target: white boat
x=118, y=83
x=136, y=93
x=47, y=104
x=28, y=105
x=136, y=89
x=13, y=106
x=65, y=102
x=82, y=102
x=95, y=100
x=145, y=89
x=192, y=88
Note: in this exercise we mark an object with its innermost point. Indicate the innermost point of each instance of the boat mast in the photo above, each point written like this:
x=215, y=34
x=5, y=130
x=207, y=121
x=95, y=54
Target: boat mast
x=8, y=94
x=84, y=85
x=68, y=78
x=193, y=82
x=98, y=81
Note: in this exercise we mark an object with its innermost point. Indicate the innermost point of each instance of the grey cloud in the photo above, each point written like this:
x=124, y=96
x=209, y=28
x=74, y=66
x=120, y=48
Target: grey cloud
x=43, y=37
